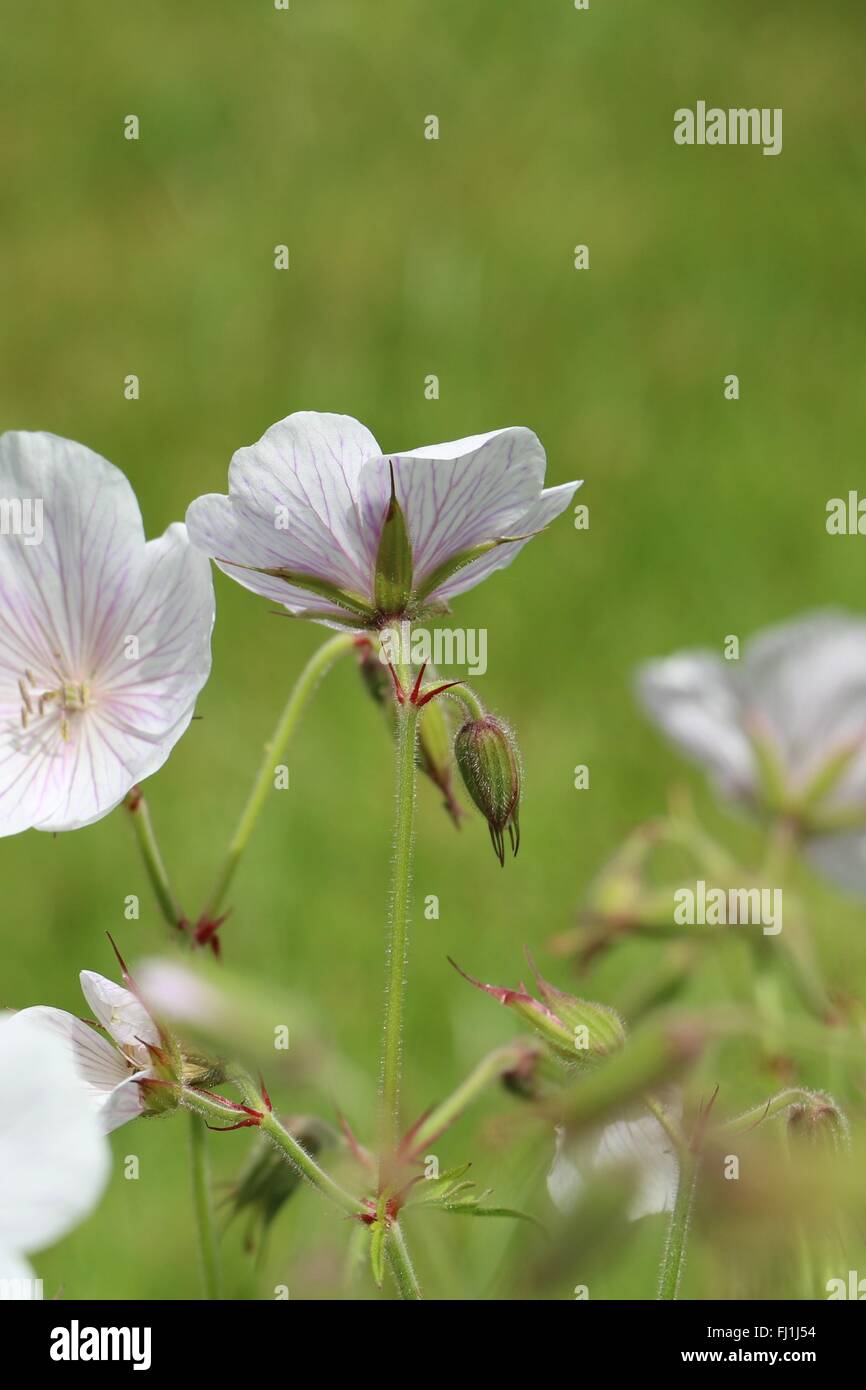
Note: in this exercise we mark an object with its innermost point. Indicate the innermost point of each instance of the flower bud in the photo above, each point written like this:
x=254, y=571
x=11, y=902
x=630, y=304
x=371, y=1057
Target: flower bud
x=435, y=758
x=818, y=1119
x=487, y=757
x=375, y=675
x=266, y=1182
x=577, y=1030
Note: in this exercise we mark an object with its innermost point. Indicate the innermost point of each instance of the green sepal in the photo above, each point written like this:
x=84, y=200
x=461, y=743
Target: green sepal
x=392, y=585
x=454, y=563
x=323, y=588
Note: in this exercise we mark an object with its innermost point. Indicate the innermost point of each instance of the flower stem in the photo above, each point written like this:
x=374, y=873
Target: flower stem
x=398, y=931
x=156, y=871
x=509, y=1057
x=222, y=1116
x=203, y=1207
x=303, y=689
x=674, y=1257
x=308, y=1167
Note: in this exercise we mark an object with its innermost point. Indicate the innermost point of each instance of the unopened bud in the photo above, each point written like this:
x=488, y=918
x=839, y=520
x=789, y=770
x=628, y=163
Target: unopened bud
x=434, y=755
x=577, y=1030
x=266, y=1181
x=818, y=1119
x=487, y=757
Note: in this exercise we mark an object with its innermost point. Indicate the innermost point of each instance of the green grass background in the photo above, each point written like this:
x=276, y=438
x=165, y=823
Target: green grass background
x=411, y=257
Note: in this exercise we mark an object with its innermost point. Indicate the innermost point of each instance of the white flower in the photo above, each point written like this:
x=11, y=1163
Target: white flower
x=796, y=702
x=110, y=1072
x=104, y=637
x=319, y=520
x=54, y=1159
x=640, y=1144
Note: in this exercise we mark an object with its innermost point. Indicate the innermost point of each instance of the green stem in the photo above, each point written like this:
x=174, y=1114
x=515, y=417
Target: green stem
x=153, y=862
x=204, y=1207
x=469, y=700
x=776, y=1105
x=398, y=930
x=303, y=689
x=489, y=1069
x=674, y=1257
x=269, y=1124
x=401, y=1265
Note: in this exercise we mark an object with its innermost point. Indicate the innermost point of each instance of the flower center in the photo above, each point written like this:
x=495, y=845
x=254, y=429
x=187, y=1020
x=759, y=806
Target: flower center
x=68, y=699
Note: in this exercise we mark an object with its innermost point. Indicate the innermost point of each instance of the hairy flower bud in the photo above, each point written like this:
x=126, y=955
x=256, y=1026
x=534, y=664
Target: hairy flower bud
x=266, y=1182
x=818, y=1119
x=576, y=1030
x=486, y=754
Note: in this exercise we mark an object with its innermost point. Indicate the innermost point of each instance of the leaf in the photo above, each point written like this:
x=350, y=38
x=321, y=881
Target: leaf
x=474, y=1208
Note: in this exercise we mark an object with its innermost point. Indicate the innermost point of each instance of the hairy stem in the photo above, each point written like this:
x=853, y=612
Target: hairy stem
x=223, y=1117
x=509, y=1057
x=398, y=932
x=207, y=1239
x=674, y=1256
x=303, y=689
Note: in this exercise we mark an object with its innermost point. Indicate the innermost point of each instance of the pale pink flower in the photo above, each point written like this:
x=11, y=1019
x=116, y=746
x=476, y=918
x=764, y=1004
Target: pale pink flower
x=111, y=1073
x=104, y=637
x=320, y=520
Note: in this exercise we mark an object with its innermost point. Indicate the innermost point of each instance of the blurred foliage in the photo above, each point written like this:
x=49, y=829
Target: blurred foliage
x=454, y=257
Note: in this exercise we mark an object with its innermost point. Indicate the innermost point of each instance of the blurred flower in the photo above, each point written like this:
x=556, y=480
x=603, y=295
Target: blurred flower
x=104, y=639
x=319, y=520
x=485, y=751
x=782, y=730
x=640, y=1144
x=116, y=1074
x=54, y=1159
x=577, y=1030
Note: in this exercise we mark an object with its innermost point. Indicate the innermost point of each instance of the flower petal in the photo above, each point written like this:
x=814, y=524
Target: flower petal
x=693, y=698
x=54, y=1159
x=71, y=610
x=99, y=1065
x=807, y=681
x=292, y=504
x=122, y=1014
x=550, y=504
x=151, y=649
x=125, y=1103
x=643, y=1145
x=454, y=496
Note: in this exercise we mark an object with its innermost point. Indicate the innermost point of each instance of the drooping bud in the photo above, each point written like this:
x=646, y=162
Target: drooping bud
x=375, y=674
x=392, y=586
x=435, y=758
x=577, y=1030
x=266, y=1182
x=487, y=757
x=818, y=1119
